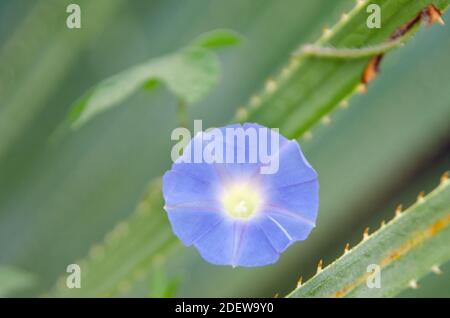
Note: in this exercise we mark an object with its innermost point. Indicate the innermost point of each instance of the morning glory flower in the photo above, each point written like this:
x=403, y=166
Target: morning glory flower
x=230, y=210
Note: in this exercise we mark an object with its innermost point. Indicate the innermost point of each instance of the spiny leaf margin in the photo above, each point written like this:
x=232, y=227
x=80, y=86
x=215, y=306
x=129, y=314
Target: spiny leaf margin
x=406, y=249
x=128, y=253
x=309, y=88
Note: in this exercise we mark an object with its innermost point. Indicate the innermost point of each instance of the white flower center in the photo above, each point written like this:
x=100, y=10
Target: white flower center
x=241, y=200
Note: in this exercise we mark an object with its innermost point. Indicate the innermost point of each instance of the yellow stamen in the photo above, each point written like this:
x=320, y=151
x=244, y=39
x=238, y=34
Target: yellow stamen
x=241, y=200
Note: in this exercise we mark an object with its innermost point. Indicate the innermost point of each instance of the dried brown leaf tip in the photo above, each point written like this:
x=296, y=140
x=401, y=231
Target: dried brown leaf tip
x=372, y=69
x=432, y=15
x=404, y=28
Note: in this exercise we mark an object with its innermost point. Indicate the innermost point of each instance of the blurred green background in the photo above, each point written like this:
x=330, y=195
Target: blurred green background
x=57, y=199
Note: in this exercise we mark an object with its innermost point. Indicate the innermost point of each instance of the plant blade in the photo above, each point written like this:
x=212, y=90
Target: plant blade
x=405, y=249
x=308, y=88
x=126, y=254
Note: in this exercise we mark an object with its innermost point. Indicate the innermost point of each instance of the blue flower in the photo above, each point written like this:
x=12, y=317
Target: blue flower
x=232, y=212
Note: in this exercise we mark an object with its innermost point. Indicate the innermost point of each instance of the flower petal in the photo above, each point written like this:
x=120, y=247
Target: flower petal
x=297, y=227
x=191, y=223
x=293, y=167
x=256, y=248
x=217, y=245
x=237, y=243
x=300, y=200
x=287, y=207
x=181, y=186
x=278, y=236
x=235, y=169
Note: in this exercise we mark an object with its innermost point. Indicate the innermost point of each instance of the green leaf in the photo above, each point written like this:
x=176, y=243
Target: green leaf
x=217, y=39
x=127, y=254
x=13, y=280
x=407, y=248
x=189, y=74
x=161, y=285
x=310, y=86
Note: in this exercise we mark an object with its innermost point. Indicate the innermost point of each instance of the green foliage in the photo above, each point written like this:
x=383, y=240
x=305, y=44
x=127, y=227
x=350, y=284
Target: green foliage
x=217, y=39
x=14, y=280
x=189, y=74
x=407, y=248
x=162, y=286
x=280, y=98
x=50, y=196
x=127, y=252
x=310, y=86
x=35, y=71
